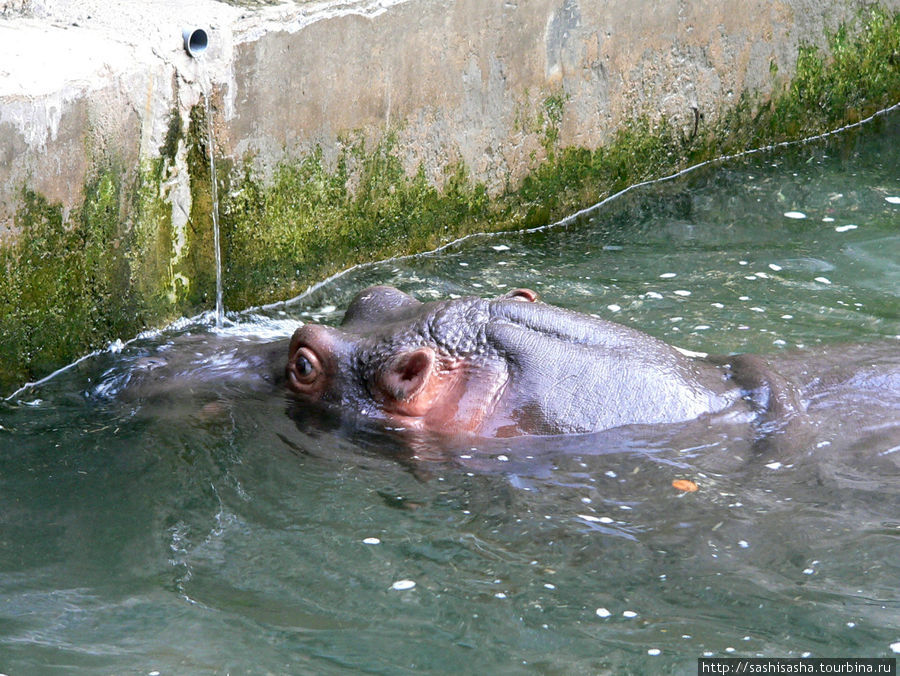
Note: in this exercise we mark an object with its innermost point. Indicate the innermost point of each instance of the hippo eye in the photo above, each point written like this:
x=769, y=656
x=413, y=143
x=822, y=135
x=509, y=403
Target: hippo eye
x=304, y=368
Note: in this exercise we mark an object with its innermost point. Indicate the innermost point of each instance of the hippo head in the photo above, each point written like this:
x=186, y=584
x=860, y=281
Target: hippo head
x=492, y=367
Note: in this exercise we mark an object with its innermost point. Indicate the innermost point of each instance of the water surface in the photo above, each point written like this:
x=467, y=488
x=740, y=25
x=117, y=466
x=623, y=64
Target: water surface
x=205, y=525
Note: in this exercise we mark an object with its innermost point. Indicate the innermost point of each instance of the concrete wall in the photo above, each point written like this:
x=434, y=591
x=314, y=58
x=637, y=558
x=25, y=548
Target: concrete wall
x=95, y=87
x=458, y=78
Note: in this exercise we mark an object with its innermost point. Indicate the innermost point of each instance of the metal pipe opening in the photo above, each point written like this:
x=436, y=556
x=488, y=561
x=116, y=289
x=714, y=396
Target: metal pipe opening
x=195, y=41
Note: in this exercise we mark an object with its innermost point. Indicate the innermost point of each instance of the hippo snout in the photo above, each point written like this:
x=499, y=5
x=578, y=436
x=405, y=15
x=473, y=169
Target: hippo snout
x=310, y=360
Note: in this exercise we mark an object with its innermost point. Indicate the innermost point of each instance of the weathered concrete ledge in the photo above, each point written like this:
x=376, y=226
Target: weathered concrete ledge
x=348, y=129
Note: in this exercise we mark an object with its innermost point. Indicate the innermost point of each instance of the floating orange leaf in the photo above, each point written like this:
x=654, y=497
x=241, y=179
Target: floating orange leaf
x=685, y=485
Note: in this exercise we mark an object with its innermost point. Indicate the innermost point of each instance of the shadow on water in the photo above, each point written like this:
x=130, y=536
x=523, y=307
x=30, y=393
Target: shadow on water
x=166, y=506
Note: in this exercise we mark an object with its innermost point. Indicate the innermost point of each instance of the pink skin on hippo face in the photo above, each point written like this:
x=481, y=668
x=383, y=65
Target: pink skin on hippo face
x=499, y=367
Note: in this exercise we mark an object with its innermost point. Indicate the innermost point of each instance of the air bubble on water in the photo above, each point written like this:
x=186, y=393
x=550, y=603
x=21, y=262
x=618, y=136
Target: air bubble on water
x=796, y=215
x=893, y=200
x=823, y=280
x=718, y=306
x=828, y=219
x=775, y=267
x=750, y=277
x=500, y=595
x=845, y=228
x=372, y=541
x=851, y=624
x=654, y=651
x=787, y=316
x=503, y=458
x=500, y=247
x=629, y=614
x=774, y=465
x=603, y=612
x=895, y=647
x=668, y=275
x=403, y=585
x=586, y=501
x=682, y=292
x=613, y=307
x=744, y=298
x=611, y=474
x=743, y=544
x=550, y=586
x=702, y=327
x=808, y=571
x=652, y=294
x=463, y=264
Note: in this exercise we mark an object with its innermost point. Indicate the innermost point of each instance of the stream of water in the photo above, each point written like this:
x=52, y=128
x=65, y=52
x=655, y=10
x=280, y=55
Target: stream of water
x=214, y=194
x=201, y=524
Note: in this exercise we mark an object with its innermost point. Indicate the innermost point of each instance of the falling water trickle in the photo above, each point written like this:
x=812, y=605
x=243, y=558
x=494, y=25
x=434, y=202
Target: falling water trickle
x=214, y=192
x=195, y=43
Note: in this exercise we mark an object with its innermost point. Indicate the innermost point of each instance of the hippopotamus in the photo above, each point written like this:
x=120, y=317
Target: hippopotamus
x=514, y=366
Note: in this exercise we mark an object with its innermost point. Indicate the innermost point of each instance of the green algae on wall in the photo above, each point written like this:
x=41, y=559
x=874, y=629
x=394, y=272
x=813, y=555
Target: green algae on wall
x=307, y=223
x=74, y=282
x=65, y=285
x=70, y=283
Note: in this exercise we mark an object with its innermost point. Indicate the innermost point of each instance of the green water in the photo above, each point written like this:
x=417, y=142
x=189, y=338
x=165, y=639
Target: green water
x=209, y=528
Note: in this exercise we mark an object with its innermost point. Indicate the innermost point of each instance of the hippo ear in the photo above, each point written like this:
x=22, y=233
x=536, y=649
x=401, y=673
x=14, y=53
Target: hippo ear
x=404, y=376
x=527, y=295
